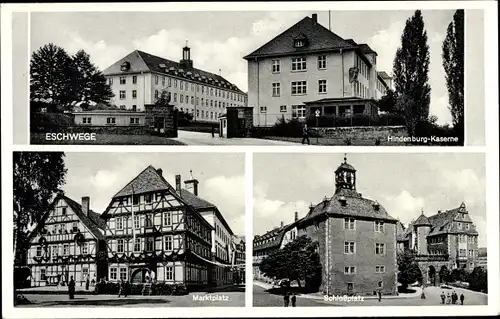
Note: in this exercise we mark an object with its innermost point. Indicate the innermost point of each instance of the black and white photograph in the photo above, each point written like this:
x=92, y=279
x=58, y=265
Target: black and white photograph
x=129, y=230
x=369, y=229
x=248, y=78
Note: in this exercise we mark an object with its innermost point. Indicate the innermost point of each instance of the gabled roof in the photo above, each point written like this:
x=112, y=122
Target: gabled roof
x=144, y=62
x=319, y=38
x=400, y=232
x=442, y=222
x=422, y=221
x=195, y=201
x=149, y=180
x=94, y=223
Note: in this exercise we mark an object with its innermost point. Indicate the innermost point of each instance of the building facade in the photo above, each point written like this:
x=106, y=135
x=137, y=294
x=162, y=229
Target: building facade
x=66, y=244
x=309, y=63
x=139, y=78
x=444, y=241
x=356, y=240
x=239, y=264
x=154, y=235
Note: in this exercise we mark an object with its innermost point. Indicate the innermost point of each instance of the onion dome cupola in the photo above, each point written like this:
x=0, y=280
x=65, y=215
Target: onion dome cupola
x=345, y=177
x=422, y=221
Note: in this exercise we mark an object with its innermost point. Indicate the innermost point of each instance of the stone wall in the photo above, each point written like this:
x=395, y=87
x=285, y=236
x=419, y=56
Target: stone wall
x=363, y=135
x=115, y=130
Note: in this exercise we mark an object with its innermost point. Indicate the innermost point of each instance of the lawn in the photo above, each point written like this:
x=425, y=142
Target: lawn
x=110, y=139
x=333, y=141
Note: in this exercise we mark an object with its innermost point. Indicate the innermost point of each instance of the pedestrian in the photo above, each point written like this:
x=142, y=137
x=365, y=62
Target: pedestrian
x=448, y=299
x=71, y=288
x=379, y=296
x=305, y=135
x=213, y=131
x=127, y=287
x=453, y=297
x=462, y=297
x=286, y=299
x=122, y=288
x=443, y=297
x=87, y=283
x=294, y=300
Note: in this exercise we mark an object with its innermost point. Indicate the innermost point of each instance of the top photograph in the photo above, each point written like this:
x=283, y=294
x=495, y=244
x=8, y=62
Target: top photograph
x=328, y=78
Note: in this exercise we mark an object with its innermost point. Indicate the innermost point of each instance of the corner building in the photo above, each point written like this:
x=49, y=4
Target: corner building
x=356, y=240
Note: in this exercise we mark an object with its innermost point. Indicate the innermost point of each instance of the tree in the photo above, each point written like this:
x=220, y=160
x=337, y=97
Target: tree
x=411, y=68
x=50, y=74
x=163, y=99
x=298, y=260
x=478, y=279
x=89, y=83
x=387, y=103
x=37, y=177
x=453, y=63
x=409, y=272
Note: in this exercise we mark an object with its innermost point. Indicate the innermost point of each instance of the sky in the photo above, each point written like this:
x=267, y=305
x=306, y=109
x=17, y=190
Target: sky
x=101, y=175
x=217, y=42
x=404, y=184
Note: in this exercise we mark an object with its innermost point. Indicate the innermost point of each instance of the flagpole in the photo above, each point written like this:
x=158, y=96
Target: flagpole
x=329, y=21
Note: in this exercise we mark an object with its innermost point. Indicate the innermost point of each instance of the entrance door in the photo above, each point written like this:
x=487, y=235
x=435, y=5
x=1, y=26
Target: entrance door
x=159, y=124
x=140, y=275
x=241, y=127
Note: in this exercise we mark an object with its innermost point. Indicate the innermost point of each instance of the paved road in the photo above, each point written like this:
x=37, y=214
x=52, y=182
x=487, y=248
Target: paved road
x=261, y=298
x=198, y=138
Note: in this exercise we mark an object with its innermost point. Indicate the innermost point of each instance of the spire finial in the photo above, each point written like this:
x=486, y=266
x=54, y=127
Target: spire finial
x=345, y=158
x=191, y=173
x=422, y=210
x=186, y=42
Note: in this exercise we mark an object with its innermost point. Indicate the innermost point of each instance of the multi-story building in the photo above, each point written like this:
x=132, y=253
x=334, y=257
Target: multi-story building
x=66, y=243
x=482, y=258
x=356, y=240
x=139, y=78
x=308, y=68
x=239, y=259
x=446, y=240
x=221, y=238
x=155, y=235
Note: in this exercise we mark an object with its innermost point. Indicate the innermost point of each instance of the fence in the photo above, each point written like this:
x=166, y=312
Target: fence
x=269, y=119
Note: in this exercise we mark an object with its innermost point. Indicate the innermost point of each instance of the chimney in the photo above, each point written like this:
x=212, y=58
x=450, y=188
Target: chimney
x=178, y=183
x=315, y=17
x=160, y=172
x=282, y=224
x=85, y=205
x=296, y=216
x=195, y=185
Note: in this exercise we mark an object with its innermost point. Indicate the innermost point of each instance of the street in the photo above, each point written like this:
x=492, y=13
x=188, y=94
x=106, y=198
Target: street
x=261, y=298
x=198, y=138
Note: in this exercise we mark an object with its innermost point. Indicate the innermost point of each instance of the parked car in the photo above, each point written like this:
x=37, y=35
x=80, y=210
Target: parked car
x=284, y=282
x=445, y=287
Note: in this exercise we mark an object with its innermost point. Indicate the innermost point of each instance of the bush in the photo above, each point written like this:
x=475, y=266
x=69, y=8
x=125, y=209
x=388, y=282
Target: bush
x=356, y=120
x=164, y=289
x=42, y=120
x=107, y=288
x=158, y=288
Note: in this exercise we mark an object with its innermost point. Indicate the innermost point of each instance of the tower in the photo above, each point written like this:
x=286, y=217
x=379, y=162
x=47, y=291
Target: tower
x=345, y=177
x=422, y=228
x=186, y=61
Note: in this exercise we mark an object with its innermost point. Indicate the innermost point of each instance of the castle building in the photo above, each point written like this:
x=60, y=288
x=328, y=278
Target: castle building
x=155, y=235
x=356, y=240
x=139, y=78
x=66, y=243
x=308, y=68
x=444, y=241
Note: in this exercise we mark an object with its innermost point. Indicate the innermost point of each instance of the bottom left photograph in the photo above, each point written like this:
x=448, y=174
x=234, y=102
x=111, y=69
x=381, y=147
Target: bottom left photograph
x=129, y=229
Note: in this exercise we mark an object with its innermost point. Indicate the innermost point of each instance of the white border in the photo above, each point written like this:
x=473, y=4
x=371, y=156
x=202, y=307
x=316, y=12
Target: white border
x=490, y=148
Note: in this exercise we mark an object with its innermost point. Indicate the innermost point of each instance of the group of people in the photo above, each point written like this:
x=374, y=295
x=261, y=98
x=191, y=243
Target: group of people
x=451, y=298
x=287, y=299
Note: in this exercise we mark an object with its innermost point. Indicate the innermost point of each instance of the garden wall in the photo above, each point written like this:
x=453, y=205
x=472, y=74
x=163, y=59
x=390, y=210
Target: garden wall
x=363, y=135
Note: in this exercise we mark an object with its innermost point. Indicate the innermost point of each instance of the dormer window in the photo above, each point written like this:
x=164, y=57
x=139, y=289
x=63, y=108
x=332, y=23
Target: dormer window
x=299, y=43
x=125, y=66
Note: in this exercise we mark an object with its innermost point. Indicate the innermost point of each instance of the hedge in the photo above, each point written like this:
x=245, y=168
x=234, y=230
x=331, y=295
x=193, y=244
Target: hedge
x=158, y=288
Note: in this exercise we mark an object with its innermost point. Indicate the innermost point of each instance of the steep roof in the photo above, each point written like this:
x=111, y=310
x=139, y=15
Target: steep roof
x=195, y=201
x=93, y=221
x=145, y=62
x=356, y=206
x=149, y=180
x=442, y=222
x=319, y=38
x=422, y=221
x=400, y=231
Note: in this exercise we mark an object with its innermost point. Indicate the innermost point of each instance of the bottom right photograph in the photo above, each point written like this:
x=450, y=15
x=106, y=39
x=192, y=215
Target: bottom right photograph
x=369, y=229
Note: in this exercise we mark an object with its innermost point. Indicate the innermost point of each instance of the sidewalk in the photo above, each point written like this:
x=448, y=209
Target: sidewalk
x=56, y=290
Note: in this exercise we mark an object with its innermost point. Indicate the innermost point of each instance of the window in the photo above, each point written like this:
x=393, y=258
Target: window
x=55, y=251
x=42, y=274
x=298, y=111
x=299, y=87
x=112, y=273
x=169, y=243
x=137, y=222
x=182, y=99
x=467, y=226
x=379, y=227
x=149, y=244
x=276, y=66
x=119, y=223
x=182, y=85
x=64, y=210
x=349, y=270
x=163, y=81
x=299, y=64
x=65, y=249
x=85, y=248
x=263, y=109
x=137, y=245
x=156, y=94
x=123, y=273
x=349, y=223
x=156, y=79
x=198, y=101
x=350, y=286
x=187, y=99
x=167, y=218
x=459, y=225
x=379, y=249
x=134, y=79
x=175, y=83
x=349, y=247
x=276, y=89
x=379, y=269
x=123, y=80
x=197, y=113
x=39, y=251
x=134, y=94
x=111, y=120
x=119, y=246
x=123, y=95
x=322, y=62
x=87, y=120
x=110, y=81
x=175, y=97
x=322, y=86
x=148, y=198
x=169, y=82
x=211, y=115
x=192, y=100
x=211, y=92
x=134, y=120
x=149, y=220
x=169, y=273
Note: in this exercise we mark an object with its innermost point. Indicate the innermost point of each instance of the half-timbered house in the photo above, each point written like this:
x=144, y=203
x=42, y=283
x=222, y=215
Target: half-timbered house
x=155, y=236
x=66, y=243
